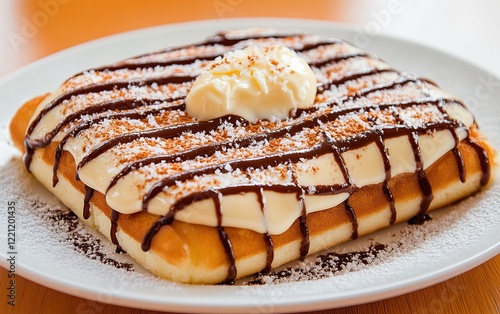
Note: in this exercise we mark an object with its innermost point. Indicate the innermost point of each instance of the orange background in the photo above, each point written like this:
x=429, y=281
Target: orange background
x=47, y=26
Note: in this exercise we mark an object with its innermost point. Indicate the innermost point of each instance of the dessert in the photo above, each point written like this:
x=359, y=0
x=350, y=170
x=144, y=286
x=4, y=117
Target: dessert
x=214, y=161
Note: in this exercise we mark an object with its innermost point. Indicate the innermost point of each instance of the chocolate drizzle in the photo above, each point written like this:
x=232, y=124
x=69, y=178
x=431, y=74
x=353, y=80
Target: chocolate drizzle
x=352, y=77
x=460, y=164
x=352, y=217
x=113, y=229
x=484, y=159
x=458, y=155
x=89, y=192
x=162, y=221
x=228, y=247
x=267, y=237
x=423, y=182
x=305, y=243
x=301, y=119
x=114, y=226
x=385, y=187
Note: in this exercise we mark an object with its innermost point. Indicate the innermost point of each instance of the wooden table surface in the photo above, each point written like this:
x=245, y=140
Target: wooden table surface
x=32, y=29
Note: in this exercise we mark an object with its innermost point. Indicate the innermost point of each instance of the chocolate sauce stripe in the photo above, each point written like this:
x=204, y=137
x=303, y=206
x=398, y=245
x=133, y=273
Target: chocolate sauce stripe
x=326, y=86
x=226, y=243
x=324, y=42
x=329, y=61
x=338, y=157
x=484, y=160
x=127, y=65
x=89, y=192
x=114, y=226
x=458, y=155
x=417, y=157
x=353, y=218
x=167, y=132
x=218, y=40
x=228, y=248
x=387, y=86
x=155, y=227
x=392, y=205
x=387, y=167
x=423, y=181
x=460, y=164
x=95, y=88
x=87, y=123
x=392, y=131
x=321, y=190
x=206, y=150
x=269, y=252
x=305, y=243
x=267, y=237
x=134, y=63
x=290, y=156
x=359, y=94
x=304, y=227
x=242, y=142
x=117, y=104
x=273, y=159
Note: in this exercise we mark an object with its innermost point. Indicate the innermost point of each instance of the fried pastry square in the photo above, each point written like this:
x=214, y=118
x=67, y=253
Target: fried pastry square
x=210, y=201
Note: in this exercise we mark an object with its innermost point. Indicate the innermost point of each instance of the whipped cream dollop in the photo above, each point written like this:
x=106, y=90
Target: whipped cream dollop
x=254, y=83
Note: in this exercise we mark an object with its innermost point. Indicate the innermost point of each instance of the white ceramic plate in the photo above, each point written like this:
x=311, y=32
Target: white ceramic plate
x=458, y=239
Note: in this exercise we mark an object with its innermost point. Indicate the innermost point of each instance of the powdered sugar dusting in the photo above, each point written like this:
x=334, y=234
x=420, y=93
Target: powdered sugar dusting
x=72, y=231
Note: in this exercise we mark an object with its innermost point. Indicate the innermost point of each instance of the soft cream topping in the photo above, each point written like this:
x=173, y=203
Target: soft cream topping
x=254, y=83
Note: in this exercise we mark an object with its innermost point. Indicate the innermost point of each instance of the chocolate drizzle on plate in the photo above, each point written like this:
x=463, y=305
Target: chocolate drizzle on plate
x=326, y=111
x=329, y=264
